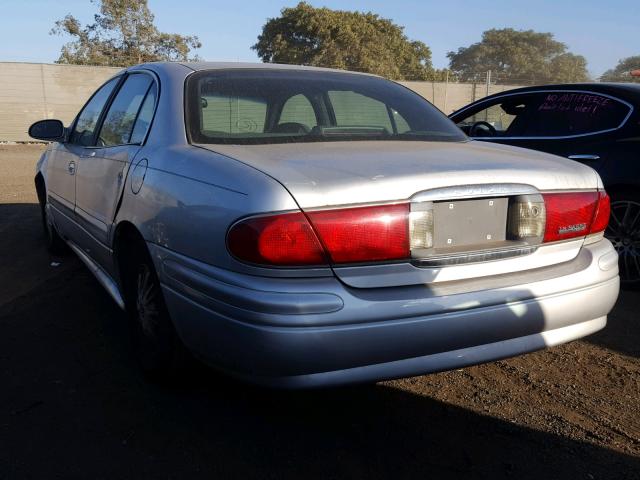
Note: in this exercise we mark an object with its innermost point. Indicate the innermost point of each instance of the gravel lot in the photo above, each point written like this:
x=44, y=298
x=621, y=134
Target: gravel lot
x=73, y=404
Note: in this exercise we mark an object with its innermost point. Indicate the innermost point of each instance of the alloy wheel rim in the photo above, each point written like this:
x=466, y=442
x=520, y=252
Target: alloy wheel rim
x=146, y=302
x=624, y=233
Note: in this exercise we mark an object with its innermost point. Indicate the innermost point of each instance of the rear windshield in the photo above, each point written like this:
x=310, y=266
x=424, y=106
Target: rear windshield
x=277, y=106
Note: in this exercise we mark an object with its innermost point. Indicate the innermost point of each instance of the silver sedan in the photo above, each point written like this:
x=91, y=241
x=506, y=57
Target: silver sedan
x=306, y=227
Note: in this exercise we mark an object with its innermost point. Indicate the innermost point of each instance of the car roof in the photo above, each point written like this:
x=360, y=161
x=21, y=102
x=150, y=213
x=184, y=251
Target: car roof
x=199, y=66
x=609, y=88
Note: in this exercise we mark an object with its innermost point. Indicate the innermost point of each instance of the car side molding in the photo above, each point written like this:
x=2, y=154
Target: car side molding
x=103, y=277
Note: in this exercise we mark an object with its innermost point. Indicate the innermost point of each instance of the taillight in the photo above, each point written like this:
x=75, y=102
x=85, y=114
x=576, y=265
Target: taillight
x=526, y=219
x=364, y=234
x=346, y=235
x=601, y=219
x=393, y=232
x=285, y=239
x=569, y=215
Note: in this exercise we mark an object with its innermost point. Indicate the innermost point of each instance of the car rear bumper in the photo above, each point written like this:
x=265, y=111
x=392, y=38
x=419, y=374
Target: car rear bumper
x=301, y=333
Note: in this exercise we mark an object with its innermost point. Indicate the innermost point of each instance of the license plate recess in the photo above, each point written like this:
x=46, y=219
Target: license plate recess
x=469, y=223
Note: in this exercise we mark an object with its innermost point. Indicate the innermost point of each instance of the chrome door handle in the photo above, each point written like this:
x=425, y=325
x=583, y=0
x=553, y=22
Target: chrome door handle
x=71, y=168
x=584, y=157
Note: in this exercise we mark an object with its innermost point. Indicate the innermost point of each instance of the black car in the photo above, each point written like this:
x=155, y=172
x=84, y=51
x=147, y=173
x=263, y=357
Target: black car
x=597, y=124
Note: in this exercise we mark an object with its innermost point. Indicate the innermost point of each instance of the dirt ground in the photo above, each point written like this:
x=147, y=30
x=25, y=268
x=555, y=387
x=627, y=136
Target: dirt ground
x=74, y=405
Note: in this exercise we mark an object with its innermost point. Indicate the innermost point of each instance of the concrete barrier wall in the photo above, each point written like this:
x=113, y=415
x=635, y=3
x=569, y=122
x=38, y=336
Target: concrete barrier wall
x=449, y=97
x=34, y=91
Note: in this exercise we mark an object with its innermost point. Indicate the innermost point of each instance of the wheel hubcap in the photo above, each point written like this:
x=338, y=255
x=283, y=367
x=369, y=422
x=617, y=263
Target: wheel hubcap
x=624, y=233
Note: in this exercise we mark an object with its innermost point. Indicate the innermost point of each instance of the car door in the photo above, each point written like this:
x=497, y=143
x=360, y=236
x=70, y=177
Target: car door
x=578, y=124
x=63, y=162
x=103, y=169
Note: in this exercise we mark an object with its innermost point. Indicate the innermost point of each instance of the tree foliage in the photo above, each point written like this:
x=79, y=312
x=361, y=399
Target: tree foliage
x=122, y=34
x=622, y=71
x=357, y=41
x=518, y=56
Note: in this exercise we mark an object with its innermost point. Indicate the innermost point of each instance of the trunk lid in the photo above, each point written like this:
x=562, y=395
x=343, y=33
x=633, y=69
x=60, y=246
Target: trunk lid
x=332, y=174
x=339, y=173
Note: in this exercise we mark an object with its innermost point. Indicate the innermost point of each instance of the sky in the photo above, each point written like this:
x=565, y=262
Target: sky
x=604, y=32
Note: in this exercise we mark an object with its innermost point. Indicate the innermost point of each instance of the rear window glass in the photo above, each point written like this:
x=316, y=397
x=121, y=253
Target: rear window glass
x=298, y=109
x=274, y=106
x=352, y=109
x=224, y=114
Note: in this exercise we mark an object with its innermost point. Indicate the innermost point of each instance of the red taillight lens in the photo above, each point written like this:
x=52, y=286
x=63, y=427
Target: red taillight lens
x=348, y=235
x=601, y=219
x=364, y=234
x=381, y=233
x=285, y=239
x=569, y=215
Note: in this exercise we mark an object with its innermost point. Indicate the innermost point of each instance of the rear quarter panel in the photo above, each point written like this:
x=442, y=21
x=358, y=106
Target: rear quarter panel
x=190, y=197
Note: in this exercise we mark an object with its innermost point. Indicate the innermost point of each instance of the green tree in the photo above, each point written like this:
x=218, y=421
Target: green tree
x=622, y=71
x=518, y=56
x=358, y=41
x=122, y=34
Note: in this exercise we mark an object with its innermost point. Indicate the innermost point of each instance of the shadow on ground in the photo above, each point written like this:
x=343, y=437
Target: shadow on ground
x=74, y=405
x=24, y=262
x=621, y=334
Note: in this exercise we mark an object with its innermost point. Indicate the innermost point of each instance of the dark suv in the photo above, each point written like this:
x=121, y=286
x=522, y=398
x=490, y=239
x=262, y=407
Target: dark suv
x=597, y=124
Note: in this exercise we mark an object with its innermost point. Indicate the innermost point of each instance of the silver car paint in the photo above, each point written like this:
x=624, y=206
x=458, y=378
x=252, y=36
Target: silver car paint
x=339, y=173
x=382, y=333
x=248, y=320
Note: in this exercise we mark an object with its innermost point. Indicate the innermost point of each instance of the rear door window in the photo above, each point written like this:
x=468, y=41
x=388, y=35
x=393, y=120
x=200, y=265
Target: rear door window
x=144, y=116
x=556, y=114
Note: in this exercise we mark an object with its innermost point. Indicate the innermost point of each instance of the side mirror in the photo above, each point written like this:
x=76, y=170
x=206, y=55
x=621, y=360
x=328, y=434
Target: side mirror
x=48, y=130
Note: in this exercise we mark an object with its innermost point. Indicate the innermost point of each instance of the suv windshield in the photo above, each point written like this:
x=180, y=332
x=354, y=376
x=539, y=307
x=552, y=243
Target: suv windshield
x=277, y=106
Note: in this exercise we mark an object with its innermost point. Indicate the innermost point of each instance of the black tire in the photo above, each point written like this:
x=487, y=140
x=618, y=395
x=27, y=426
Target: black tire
x=156, y=344
x=55, y=243
x=624, y=233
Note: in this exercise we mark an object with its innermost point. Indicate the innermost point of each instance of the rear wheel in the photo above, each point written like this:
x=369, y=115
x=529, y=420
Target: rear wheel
x=155, y=341
x=624, y=233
